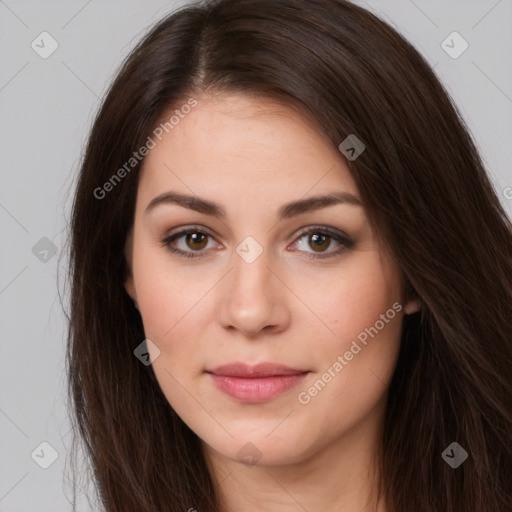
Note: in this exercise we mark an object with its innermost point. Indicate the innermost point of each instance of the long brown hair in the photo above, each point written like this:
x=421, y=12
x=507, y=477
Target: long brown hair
x=427, y=196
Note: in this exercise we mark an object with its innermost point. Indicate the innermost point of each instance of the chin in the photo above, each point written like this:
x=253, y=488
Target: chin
x=258, y=448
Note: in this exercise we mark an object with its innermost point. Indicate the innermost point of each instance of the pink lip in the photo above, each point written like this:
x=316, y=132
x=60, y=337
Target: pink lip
x=255, y=384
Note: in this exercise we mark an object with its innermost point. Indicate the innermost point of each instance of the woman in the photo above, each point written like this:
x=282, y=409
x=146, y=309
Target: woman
x=291, y=277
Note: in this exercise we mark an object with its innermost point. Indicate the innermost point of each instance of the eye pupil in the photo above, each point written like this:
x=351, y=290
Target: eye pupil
x=196, y=238
x=319, y=241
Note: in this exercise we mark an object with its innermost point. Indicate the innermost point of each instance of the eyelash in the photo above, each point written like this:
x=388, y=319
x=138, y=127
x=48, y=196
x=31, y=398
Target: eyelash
x=344, y=240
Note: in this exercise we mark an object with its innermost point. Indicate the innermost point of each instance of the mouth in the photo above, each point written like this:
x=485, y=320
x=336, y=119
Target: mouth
x=255, y=384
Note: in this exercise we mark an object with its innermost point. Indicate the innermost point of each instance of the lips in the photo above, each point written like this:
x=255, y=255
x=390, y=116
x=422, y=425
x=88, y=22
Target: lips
x=255, y=384
x=260, y=370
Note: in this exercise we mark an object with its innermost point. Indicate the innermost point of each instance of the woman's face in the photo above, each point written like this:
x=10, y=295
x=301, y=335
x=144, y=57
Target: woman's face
x=292, y=296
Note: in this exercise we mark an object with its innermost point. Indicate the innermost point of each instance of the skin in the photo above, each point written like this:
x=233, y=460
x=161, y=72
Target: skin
x=252, y=155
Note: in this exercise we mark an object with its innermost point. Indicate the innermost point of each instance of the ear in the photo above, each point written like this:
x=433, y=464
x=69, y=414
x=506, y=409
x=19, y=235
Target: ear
x=412, y=301
x=129, y=284
x=412, y=306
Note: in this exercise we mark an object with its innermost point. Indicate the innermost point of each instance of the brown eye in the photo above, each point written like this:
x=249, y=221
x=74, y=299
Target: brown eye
x=196, y=241
x=322, y=242
x=319, y=242
x=190, y=243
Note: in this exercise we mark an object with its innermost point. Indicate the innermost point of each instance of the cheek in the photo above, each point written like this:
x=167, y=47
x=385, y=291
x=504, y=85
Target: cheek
x=175, y=302
x=355, y=361
x=354, y=366
x=159, y=303
x=166, y=291
x=367, y=315
x=354, y=298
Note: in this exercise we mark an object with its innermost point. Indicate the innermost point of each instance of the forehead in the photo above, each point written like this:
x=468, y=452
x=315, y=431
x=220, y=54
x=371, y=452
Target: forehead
x=229, y=145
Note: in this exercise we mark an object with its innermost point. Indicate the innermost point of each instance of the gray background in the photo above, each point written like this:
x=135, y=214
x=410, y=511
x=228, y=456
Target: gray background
x=47, y=107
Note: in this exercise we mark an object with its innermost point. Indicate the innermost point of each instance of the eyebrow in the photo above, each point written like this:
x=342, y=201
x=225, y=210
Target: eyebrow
x=286, y=211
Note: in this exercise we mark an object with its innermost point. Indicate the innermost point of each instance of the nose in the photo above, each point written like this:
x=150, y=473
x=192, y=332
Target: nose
x=254, y=299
